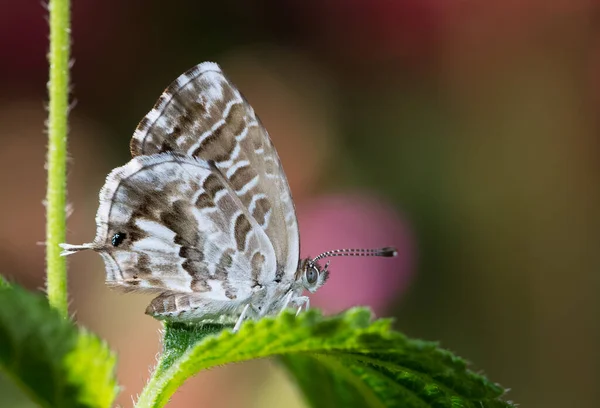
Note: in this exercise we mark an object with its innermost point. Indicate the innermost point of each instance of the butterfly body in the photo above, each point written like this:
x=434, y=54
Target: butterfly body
x=203, y=214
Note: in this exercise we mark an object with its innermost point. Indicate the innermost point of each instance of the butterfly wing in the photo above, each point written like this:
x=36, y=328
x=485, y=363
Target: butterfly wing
x=203, y=115
x=171, y=223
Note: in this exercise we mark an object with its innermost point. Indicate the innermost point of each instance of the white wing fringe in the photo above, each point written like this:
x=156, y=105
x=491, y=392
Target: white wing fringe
x=69, y=249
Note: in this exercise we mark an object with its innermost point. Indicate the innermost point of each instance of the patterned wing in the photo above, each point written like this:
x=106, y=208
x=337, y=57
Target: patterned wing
x=203, y=115
x=170, y=223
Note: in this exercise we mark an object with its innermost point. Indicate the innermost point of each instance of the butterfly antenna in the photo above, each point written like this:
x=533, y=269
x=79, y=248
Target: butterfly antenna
x=385, y=252
x=69, y=249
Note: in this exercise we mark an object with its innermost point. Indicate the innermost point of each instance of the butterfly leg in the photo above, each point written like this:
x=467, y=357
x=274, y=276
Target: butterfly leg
x=241, y=318
x=287, y=300
x=302, y=301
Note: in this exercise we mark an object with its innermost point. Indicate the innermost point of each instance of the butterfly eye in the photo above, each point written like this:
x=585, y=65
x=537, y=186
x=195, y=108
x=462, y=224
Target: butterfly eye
x=312, y=274
x=118, y=238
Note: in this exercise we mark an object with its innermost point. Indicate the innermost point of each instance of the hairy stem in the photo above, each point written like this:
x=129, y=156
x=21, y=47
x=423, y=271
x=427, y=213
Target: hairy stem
x=58, y=90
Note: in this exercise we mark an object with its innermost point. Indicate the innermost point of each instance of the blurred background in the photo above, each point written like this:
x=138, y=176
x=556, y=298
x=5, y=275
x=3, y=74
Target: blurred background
x=463, y=132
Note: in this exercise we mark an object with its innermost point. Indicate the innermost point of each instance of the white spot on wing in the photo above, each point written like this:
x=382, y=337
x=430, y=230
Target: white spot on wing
x=233, y=157
x=267, y=218
x=242, y=135
x=152, y=244
x=236, y=166
x=214, y=90
x=156, y=230
x=248, y=186
x=216, y=289
x=214, y=127
x=255, y=199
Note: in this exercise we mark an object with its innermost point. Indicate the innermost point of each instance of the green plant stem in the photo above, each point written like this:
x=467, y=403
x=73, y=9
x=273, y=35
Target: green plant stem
x=58, y=90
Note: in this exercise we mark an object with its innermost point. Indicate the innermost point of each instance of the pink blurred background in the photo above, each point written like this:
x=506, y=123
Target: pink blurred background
x=464, y=133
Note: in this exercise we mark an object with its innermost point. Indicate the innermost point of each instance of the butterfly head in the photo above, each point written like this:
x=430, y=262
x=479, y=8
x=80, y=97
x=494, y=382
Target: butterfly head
x=313, y=276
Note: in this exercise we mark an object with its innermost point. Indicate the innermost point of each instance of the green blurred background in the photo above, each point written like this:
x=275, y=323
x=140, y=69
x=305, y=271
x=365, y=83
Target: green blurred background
x=474, y=123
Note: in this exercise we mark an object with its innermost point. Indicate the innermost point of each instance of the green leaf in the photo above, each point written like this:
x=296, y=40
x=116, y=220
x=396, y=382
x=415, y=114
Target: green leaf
x=54, y=362
x=346, y=360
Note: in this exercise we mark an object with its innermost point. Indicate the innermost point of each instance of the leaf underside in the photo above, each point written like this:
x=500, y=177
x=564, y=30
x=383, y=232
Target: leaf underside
x=346, y=360
x=51, y=360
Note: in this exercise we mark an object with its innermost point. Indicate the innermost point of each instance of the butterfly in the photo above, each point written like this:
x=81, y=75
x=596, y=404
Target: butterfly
x=203, y=214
